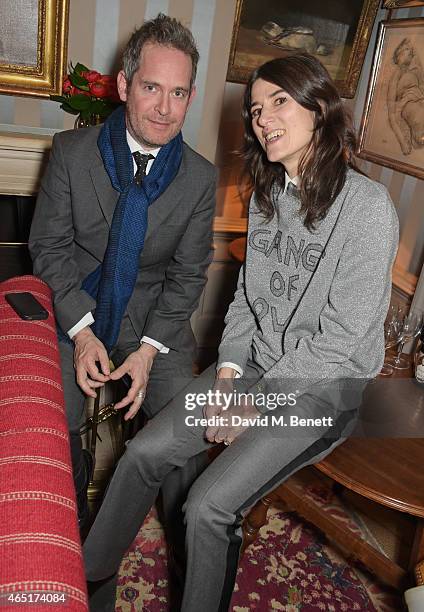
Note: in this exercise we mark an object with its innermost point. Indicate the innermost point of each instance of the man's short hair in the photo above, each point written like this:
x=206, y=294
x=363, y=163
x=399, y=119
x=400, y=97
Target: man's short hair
x=162, y=30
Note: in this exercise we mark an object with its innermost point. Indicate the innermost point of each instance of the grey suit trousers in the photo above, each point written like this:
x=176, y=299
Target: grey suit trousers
x=255, y=463
x=170, y=373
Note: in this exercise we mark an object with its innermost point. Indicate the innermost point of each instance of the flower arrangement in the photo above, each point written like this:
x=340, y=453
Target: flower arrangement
x=89, y=94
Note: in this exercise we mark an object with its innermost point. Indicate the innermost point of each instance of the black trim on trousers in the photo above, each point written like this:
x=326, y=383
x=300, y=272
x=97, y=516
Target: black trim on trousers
x=235, y=541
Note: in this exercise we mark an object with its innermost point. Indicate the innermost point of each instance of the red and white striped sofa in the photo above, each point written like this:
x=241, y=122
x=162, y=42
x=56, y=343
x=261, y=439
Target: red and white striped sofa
x=40, y=550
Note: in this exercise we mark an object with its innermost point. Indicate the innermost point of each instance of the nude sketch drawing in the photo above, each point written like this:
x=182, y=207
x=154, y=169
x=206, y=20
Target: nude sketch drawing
x=393, y=4
x=405, y=97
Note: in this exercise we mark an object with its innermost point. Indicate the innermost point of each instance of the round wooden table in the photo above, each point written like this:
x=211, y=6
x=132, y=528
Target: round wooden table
x=387, y=470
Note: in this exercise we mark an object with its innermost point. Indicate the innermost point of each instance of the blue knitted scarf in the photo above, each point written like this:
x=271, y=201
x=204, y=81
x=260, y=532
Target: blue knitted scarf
x=111, y=284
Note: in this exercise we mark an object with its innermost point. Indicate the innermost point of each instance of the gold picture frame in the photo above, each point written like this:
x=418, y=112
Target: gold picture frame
x=395, y=4
x=392, y=127
x=253, y=44
x=33, y=48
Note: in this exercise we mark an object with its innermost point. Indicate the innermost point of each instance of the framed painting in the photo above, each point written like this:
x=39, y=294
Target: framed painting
x=33, y=46
x=392, y=129
x=394, y=4
x=337, y=32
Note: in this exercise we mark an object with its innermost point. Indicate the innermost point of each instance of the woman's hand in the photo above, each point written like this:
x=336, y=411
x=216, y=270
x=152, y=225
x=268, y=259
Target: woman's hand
x=230, y=432
x=224, y=385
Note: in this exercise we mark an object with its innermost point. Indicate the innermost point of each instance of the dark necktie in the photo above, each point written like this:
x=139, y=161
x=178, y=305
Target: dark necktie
x=141, y=160
x=292, y=190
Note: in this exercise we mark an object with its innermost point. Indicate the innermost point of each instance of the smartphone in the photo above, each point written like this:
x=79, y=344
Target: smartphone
x=27, y=306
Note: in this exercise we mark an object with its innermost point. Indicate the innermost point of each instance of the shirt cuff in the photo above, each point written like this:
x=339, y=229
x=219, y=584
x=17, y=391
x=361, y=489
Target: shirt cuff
x=158, y=345
x=229, y=364
x=87, y=320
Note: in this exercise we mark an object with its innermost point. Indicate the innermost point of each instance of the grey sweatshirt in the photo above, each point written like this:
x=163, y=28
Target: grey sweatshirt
x=310, y=305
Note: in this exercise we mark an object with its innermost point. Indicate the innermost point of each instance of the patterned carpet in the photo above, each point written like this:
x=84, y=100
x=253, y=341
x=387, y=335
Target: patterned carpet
x=291, y=567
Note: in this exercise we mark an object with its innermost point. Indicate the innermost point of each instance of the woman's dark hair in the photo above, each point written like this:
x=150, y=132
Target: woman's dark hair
x=324, y=164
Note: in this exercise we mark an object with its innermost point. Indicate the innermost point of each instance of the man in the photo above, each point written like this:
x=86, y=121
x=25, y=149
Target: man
x=124, y=240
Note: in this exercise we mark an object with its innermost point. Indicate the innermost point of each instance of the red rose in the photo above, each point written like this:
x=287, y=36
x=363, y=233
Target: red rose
x=92, y=76
x=67, y=86
x=99, y=89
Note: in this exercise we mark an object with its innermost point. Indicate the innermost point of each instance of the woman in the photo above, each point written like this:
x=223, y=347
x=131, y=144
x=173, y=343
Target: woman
x=306, y=322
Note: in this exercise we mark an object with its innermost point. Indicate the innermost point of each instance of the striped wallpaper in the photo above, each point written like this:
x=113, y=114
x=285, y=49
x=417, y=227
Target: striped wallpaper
x=407, y=191
x=99, y=28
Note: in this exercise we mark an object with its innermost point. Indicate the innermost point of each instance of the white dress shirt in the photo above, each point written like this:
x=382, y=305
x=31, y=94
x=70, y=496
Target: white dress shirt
x=88, y=319
x=294, y=180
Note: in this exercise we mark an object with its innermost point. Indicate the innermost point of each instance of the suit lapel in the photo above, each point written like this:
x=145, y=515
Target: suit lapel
x=164, y=206
x=106, y=194
x=167, y=203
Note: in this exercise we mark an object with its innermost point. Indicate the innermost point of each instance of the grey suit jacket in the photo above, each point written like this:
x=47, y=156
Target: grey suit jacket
x=70, y=231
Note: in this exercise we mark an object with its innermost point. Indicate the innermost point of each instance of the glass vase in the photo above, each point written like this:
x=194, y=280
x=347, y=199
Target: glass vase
x=87, y=122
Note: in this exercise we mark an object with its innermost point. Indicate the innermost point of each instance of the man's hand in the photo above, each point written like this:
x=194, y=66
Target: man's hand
x=137, y=365
x=229, y=433
x=224, y=384
x=88, y=351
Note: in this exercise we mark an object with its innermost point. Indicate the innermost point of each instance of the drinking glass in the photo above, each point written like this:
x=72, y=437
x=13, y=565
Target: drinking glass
x=392, y=328
x=409, y=329
x=389, y=342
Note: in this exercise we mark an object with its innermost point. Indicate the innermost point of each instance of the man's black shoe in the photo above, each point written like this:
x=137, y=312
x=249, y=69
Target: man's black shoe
x=82, y=500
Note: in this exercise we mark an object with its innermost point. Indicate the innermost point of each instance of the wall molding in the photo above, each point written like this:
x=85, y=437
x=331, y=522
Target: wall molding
x=404, y=281
x=228, y=225
x=22, y=160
